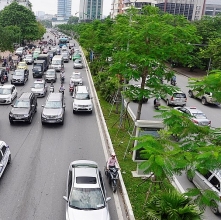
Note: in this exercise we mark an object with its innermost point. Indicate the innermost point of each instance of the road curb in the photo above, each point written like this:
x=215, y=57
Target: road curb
x=109, y=145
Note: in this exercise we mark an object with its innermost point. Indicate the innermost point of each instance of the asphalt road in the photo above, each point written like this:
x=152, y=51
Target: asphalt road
x=33, y=185
x=211, y=111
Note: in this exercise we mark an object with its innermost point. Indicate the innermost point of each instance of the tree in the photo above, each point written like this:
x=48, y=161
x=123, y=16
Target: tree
x=18, y=15
x=46, y=23
x=171, y=205
x=73, y=20
x=143, y=43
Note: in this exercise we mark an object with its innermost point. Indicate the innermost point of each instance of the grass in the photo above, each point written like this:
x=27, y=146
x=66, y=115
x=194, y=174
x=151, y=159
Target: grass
x=120, y=136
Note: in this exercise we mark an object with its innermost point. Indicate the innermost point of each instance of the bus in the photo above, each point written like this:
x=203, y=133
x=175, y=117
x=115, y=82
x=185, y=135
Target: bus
x=62, y=42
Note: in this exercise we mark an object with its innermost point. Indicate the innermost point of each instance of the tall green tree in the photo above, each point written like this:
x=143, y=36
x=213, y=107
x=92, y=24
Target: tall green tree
x=18, y=15
x=142, y=43
x=73, y=20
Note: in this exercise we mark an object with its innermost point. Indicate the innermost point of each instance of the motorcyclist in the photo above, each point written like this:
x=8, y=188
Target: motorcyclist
x=52, y=87
x=173, y=79
x=112, y=161
x=61, y=89
x=62, y=75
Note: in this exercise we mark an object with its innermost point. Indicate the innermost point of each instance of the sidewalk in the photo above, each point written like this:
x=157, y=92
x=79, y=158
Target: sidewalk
x=6, y=54
x=194, y=74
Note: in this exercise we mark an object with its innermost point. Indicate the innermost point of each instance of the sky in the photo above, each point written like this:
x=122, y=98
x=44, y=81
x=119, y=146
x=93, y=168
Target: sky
x=50, y=6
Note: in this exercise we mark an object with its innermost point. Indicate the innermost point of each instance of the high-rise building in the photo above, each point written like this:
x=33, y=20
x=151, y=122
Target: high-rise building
x=191, y=9
x=64, y=9
x=90, y=10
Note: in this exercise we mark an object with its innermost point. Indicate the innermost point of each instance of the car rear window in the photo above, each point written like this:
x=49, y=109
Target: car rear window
x=86, y=180
x=179, y=95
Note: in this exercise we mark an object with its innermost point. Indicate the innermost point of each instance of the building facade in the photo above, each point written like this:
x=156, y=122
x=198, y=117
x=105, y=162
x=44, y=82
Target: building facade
x=213, y=7
x=191, y=9
x=90, y=10
x=64, y=9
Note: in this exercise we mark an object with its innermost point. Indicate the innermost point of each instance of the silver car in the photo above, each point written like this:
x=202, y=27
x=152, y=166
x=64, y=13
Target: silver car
x=51, y=75
x=76, y=78
x=198, y=117
x=178, y=98
x=86, y=195
x=39, y=88
x=5, y=156
x=78, y=64
x=7, y=94
x=29, y=59
x=66, y=56
x=208, y=180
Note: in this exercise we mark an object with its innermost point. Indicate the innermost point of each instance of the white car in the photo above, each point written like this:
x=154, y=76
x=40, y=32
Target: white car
x=86, y=195
x=78, y=64
x=76, y=78
x=39, y=88
x=29, y=59
x=197, y=116
x=5, y=156
x=7, y=94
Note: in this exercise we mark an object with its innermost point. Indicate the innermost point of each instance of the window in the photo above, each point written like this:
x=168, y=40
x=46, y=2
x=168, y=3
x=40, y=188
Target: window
x=207, y=174
x=215, y=182
x=3, y=150
x=209, y=13
x=86, y=180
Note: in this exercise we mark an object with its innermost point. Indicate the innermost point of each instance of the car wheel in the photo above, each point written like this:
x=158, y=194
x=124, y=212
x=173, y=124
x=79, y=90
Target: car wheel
x=204, y=102
x=11, y=82
x=167, y=102
x=214, y=207
x=42, y=123
x=62, y=122
x=11, y=122
x=30, y=120
x=74, y=112
x=190, y=94
x=9, y=159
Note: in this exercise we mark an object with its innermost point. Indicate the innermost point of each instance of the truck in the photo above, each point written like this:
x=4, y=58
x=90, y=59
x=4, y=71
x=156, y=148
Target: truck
x=38, y=68
x=46, y=58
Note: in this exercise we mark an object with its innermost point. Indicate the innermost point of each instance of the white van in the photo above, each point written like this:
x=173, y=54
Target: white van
x=57, y=62
x=5, y=156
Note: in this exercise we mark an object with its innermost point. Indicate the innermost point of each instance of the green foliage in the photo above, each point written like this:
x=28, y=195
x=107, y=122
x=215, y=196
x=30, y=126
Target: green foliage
x=18, y=15
x=171, y=205
x=73, y=20
x=46, y=23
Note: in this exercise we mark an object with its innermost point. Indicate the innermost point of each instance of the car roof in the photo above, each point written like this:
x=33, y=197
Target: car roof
x=39, y=81
x=54, y=96
x=76, y=73
x=25, y=95
x=6, y=86
x=193, y=109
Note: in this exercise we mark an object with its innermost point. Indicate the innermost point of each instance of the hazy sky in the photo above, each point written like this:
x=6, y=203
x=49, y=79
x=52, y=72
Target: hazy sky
x=50, y=6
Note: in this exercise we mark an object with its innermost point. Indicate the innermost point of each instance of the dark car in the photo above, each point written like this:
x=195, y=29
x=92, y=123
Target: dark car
x=24, y=108
x=20, y=76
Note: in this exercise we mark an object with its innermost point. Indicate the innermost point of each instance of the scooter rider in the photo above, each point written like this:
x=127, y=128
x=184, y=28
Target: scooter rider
x=173, y=80
x=52, y=87
x=112, y=162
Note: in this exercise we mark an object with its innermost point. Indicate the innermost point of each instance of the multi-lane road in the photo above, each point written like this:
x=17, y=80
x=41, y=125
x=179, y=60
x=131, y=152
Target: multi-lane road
x=33, y=185
x=211, y=111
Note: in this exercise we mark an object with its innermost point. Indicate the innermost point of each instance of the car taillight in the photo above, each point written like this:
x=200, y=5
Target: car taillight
x=171, y=98
x=195, y=121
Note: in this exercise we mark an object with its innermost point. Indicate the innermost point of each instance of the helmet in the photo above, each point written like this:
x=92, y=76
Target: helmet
x=113, y=154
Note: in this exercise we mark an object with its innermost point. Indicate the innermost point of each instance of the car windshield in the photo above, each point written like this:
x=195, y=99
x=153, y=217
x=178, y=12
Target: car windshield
x=56, y=62
x=28, y=56
x=199, y=115
x=86, y=199
x=77, y=61
x=22, y=64
x=38, y=85
x=37, y=67
x=18, y=73
x=82, y=96
x=179, y=95
x=64, y=54
x=50, y=72
x=22, y=104
x=4, y=91
x=75, y=76
x=53, y=104
x=77, y=55
x=19, y=49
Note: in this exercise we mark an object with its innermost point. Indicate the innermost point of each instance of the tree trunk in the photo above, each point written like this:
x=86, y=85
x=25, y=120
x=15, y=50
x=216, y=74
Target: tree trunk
x=140, y=103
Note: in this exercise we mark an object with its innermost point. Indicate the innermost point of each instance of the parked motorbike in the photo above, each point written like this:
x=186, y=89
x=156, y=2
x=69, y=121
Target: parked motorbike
x=113, y=176
x=156, y=104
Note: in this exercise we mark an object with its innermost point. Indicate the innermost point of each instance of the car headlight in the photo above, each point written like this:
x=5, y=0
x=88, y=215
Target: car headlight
x=43, y=116
x=26, y=115
x=10, y=114
x=75, y=106
x=60, y=116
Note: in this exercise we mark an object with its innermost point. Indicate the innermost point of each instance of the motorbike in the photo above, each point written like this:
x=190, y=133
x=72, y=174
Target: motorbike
x=4, y=79
x=61, y=91
x=173, y=82
x=71, y=90
x=156, y=104
x=113, y=176
x=62, y=79
x=51, y=89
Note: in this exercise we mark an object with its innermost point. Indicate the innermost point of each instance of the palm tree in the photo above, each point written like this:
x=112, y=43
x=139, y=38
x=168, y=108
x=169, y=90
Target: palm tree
x=171, y=205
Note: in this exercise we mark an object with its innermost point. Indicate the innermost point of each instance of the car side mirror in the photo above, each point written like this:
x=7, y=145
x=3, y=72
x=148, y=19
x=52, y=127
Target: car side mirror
x=108, y=199
x=1, y=165
x=42, y=105
x=65, y=198
x=12, y=105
